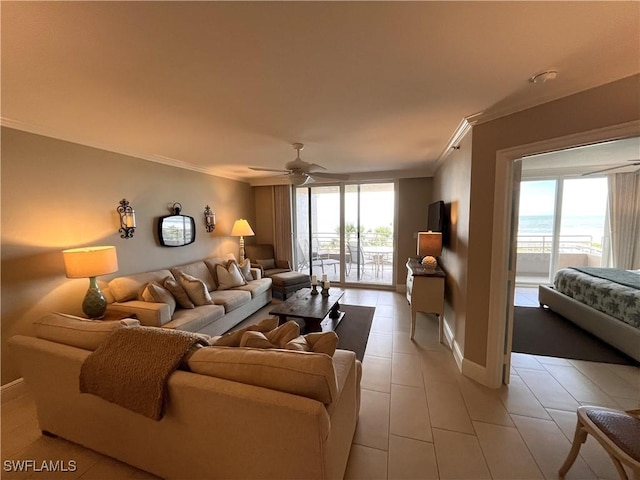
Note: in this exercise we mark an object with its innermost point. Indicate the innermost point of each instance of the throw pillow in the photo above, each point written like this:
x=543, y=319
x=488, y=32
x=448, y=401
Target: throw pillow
x=233, y=339
x=319, y=342
x=178, y=293
x=245, y=269
x=157, y=293
x=276, y=338
x=229, y=276
x=196, y=289
x=267, y=264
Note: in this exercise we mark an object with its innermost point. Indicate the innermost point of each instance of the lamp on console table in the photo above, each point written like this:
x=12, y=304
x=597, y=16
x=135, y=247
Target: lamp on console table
x=89, y=262
x=241, y=228
x=429, y=247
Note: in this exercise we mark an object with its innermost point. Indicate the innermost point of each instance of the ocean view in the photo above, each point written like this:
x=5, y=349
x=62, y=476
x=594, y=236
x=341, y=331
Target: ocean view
x=571, y=225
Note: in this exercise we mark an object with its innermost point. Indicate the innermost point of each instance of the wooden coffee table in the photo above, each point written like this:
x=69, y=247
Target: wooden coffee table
x=320, y=314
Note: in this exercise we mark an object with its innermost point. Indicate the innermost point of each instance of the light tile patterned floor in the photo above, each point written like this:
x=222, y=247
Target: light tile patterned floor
x=419, y=418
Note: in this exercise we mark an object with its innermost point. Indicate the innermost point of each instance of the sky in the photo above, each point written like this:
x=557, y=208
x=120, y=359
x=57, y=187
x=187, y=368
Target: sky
x=585, y=196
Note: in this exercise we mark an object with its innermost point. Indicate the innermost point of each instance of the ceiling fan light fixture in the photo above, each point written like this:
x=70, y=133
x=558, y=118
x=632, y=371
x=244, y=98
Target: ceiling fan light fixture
x=298, y=179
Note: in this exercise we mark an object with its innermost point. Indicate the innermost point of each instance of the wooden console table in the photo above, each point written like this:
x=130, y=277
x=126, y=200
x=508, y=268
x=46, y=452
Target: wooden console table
x=425, y=293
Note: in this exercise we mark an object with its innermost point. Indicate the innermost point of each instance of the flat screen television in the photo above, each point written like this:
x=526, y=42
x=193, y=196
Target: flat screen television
x=436, y=217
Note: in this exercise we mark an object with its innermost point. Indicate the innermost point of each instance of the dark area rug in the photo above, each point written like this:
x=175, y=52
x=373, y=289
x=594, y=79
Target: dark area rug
x=353, y=330
x=540, y=331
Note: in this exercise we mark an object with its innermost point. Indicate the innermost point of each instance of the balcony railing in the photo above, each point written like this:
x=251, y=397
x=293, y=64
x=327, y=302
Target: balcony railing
x=566, y=244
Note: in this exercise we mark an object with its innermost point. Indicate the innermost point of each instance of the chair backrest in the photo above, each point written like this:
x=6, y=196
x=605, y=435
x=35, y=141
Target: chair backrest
x=352, y=247
x=301, y=256
x=259, y=252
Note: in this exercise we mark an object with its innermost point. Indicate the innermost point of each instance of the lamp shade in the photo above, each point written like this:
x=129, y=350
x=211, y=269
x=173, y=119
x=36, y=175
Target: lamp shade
x=90, y=262
x=241, y=228
x=429, y=244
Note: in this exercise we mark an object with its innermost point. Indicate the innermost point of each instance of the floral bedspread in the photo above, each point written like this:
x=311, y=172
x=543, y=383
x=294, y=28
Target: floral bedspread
x=619, y=301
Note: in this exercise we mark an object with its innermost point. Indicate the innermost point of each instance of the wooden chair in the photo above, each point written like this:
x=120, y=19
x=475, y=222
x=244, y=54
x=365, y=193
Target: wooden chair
x=617, y=431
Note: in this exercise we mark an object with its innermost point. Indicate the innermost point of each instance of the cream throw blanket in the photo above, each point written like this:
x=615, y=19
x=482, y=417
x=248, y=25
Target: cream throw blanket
x=131, y=367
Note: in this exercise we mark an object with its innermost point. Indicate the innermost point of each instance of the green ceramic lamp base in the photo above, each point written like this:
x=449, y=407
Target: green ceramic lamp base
x=94, y=304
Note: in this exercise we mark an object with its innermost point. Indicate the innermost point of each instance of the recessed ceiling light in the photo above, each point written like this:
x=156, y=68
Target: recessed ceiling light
x=543, y=77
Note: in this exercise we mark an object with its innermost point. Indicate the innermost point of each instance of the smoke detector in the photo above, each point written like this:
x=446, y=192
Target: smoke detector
x=544, y=77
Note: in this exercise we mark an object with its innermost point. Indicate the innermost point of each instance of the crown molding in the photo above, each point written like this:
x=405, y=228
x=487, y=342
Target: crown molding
x=463, y=128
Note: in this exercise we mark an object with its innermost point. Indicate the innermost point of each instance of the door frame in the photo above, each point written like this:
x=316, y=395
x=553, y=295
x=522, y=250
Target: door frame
x=500, y=311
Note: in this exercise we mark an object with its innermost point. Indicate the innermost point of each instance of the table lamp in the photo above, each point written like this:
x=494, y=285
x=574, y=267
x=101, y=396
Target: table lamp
x=89, y=262
x=429, y=247
x=241, y=228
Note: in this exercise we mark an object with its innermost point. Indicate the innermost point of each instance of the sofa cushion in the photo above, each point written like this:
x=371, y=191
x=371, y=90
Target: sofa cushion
x=195, y=288
x=158, y=294
x=130, y=287
x=229, y=276
x=300, y=373
x=232, y=339
x=76, y=331
x=198, y=270
x=267, y=263
x=194, y=320
x=230, y=299
x=178, y=292
x=256, y=287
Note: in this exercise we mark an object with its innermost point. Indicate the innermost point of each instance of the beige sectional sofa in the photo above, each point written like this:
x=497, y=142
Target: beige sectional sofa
x=247, y=413
x=231, y=306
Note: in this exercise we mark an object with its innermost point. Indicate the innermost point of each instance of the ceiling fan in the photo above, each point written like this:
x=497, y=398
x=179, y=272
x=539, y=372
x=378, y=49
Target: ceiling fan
x=615, y=167
x=301, y=172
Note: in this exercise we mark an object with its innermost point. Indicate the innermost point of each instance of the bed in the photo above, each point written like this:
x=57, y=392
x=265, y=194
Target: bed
x=603, y=301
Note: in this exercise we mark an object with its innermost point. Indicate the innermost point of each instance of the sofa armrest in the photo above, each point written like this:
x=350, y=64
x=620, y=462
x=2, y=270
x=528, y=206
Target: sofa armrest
x=259, y=267
x=283, y=264
x=256, y=273
x=149, y=314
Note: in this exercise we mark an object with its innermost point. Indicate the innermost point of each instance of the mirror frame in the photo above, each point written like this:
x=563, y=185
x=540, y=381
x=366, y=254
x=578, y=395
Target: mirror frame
x=181, y=237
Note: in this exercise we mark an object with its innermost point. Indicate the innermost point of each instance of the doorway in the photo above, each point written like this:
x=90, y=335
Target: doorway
x=502, y=289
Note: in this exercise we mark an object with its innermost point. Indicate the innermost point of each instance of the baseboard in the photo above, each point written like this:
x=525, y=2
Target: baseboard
x=13, y=390
x=401, y=288
x=476, y=372
x=468, y=368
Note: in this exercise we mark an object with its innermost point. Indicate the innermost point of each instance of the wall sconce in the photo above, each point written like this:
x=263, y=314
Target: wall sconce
x=127, y=219
x=209, y=219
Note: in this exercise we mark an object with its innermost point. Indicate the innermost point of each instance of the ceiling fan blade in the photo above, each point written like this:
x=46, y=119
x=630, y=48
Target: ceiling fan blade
x=258, y=169
x=334, y=176
x=314, y=167
x=608, y=169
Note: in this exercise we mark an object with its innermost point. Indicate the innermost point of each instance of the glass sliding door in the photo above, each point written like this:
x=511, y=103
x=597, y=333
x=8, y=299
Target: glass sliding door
x=561, y=223
x=364, y=252
x=582, y=223
x=369, y=233
x=536, y=220
x=317, y=233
